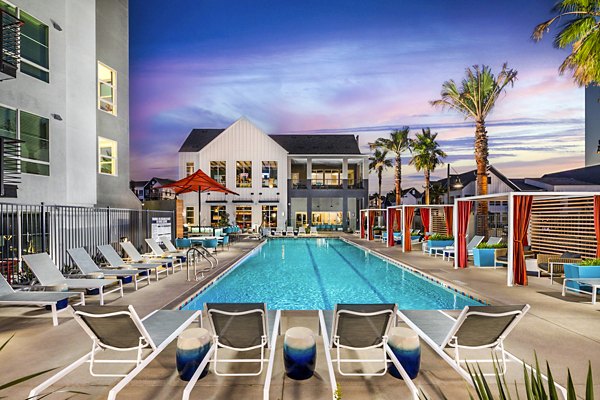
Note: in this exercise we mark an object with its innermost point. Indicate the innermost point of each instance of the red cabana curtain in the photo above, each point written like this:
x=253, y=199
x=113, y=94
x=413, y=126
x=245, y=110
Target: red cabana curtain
x=597, y=223
x=398, y=219
x=409, y=213
x=390, y=226
x=362, y=224
x=448, y=218
x=371, y=224
x=464, y=212
x=521, y=212
x=425, y=219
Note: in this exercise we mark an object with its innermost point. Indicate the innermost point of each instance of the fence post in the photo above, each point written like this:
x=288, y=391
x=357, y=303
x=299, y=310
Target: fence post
x=108, y=224
x=43, y=223
x=173, y=227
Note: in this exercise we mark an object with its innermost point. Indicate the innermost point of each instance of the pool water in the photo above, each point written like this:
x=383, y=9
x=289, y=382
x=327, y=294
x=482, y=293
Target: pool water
x=310, y=274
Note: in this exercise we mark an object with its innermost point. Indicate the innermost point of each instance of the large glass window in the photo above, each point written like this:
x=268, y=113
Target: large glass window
x=189, y=215
x=243, y=174
x=189, y=168
x=35, y=151
x=12, y=10
x=269, y=174
x=107, y=156
x=243, y=216
x=107, y=89
x=8, y=122
x=217, y=215
x=34, y=48
x=269, y=216
x=217, y=171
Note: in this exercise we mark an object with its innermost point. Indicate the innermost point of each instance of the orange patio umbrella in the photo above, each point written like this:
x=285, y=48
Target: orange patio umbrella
x=198, y=182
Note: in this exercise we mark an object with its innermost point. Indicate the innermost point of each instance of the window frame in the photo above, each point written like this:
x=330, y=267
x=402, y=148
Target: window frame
x=32, y=160
x=270, y=169
x=187, y=164
x=269, y=210
x=248, y=181
x=189, y=217
x=113, y=86
x=114, y=158
x=29, y=62
x=222, y=178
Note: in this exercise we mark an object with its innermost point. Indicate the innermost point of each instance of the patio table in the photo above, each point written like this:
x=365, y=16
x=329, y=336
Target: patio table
x=593, y=282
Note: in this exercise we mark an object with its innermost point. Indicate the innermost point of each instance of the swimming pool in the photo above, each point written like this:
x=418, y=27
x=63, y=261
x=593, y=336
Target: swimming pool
x=310, y=274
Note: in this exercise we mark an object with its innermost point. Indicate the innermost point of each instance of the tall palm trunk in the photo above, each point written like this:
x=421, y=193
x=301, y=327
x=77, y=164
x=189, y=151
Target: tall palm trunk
x=398, y=180
x=481, y=158
x=379, y=193
x=427, y=179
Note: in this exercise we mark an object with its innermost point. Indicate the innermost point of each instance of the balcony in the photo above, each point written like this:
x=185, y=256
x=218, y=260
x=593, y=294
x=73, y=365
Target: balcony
x=327, y=184
x=10, y=175
x=10, y=39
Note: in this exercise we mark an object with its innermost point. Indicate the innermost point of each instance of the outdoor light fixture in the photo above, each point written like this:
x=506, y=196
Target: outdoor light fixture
x=56, y=117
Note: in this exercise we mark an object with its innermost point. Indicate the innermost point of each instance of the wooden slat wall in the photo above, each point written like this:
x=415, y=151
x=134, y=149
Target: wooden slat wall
x=438, y=222
x=559, y=225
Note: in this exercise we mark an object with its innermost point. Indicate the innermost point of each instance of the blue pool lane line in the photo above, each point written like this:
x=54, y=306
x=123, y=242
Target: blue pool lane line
x=373, y=288
x=319, y=279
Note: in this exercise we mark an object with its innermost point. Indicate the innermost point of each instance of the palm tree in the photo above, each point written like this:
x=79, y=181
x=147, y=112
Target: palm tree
x=582, y=32
x=427, y=155
x=436, y=192
x=397, y=143
x=378, y=162
x=474, y=99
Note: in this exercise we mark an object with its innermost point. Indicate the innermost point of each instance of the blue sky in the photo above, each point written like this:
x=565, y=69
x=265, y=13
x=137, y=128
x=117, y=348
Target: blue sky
x=362, y=67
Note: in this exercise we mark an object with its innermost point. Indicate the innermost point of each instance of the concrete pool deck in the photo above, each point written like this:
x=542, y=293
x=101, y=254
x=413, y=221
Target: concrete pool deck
x=563, y=330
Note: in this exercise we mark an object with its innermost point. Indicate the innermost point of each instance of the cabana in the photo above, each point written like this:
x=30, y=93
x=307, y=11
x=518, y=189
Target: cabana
x=367, y=218
x=551, y=222
x=403, y=216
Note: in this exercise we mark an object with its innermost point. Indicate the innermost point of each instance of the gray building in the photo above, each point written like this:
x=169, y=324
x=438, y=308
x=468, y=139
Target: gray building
x=68, y=103
x=592, y=125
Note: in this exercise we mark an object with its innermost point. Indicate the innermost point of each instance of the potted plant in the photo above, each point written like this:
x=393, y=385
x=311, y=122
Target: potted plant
x=439, y=240
x=483, y=254
x=589, y=268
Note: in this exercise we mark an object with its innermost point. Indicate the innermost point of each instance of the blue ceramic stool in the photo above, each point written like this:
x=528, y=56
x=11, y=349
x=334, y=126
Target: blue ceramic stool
x=404, y=343
x=192, y=346
x=299, y=353
x=60, y=287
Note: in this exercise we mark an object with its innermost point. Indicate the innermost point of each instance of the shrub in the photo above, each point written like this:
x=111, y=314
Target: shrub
x=439, y=236
x=484, y=245
x=590, y=262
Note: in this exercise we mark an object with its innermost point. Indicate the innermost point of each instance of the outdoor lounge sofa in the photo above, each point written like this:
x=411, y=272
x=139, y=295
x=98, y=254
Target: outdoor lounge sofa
x=360, y=327
x=240, y=327
x=120, y=329
x=114, y=260
x=553, y=264
x=10, y=297
x=48, y=274
x=87, y=266
x=476, y=328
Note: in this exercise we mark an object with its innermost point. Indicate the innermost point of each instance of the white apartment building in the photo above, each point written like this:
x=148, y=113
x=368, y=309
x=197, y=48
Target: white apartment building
x=68, y=103
x=592, y=125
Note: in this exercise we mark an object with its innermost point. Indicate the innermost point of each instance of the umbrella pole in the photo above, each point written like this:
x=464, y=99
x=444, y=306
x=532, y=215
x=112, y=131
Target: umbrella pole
x=199, y=207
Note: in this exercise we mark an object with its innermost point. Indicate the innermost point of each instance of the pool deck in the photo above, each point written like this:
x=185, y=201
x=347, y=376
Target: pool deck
x=563, y=330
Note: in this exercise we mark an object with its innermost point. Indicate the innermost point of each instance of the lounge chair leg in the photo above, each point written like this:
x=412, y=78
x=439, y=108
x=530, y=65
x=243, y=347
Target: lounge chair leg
x=121, y=287
x=54, y=314
x=156, y=270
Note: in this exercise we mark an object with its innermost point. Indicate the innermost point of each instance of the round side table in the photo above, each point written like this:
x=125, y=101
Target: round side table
x=192, y=346
x=405, y=345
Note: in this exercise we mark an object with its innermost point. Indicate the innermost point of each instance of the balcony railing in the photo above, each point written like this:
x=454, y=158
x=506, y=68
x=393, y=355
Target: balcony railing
x=321, y=184
x=10, y=174
x=10, y=40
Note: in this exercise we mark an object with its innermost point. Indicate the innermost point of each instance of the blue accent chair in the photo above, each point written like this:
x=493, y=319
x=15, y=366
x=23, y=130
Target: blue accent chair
x=224, y=241
x=183, y=243
x=210, y=243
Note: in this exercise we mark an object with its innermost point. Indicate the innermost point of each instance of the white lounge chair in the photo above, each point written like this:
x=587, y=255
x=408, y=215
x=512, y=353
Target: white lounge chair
x=240, y=327
x=313, y=231
x=47, y=274
x=494, y=240
x=278, y=232
x=450, y=251
x=476, y=328
x=158, y=251
x=10, y=297
x=360, y=327
x=289, y=231
x=114, y=260
x=119, y=328
x=87, y=266
x=136, y=257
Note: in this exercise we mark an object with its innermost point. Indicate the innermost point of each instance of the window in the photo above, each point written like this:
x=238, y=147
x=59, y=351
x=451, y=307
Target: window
x=189, y=168
x=217, y=215
x=107, y=156
x=189, y=215
x=35, y=150
x=243, y=174
x=9, y=8
x=269, y=216
x=269, y=174
x=8, y=122
x=243, y=217
x=217, y=171
x=107, y=89
x=34, y=48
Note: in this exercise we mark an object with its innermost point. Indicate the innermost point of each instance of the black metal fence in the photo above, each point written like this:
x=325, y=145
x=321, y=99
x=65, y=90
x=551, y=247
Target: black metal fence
x=28, y=229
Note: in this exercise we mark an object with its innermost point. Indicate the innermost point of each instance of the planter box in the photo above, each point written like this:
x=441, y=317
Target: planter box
x=483, y=257
x=578, y=271
x=439, y=243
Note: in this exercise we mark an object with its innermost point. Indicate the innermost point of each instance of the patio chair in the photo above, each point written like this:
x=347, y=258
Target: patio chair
x=114, y=260
x=48, y=274
x=176, y=258
x=240, y=327
x=360, y=327
x=313, y=230
x=120, y=329
x=278, y=231
x=476, y=328
x=494, y=240
x=135, y=256
x=87, y=266
x=10, y=297
x=289, y=231
x=500, y=257
x=450, y=251
x=553, y=264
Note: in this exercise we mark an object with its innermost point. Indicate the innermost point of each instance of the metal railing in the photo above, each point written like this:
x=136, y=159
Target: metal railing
x=10, y=40
x=326, y=184
x=29, y=229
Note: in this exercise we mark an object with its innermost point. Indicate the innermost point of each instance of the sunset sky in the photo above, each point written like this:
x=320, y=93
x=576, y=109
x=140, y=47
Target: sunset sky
x=361, y=67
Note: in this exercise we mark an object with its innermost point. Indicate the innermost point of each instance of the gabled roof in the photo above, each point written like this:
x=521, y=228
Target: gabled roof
x=525, y=187
x=198, y=139
x=586, y=175
x=318, y=144
x=471, y=176
x=412, y=191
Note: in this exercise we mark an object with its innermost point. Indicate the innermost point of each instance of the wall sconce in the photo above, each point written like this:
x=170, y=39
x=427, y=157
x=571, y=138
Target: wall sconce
x=56, y=117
